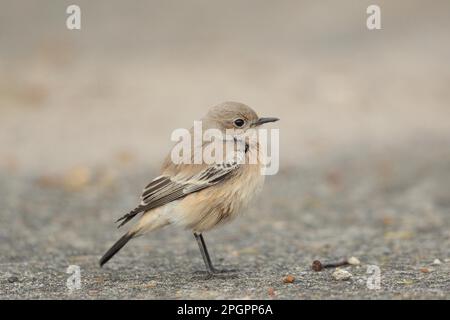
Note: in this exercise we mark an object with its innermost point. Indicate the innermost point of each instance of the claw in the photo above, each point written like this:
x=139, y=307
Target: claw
x=218, y=271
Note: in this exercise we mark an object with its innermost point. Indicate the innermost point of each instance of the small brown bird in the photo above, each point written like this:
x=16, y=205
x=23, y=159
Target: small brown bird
x=202, y=196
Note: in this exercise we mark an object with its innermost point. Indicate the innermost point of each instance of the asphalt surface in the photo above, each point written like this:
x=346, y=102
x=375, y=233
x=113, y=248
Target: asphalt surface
x=389, y=208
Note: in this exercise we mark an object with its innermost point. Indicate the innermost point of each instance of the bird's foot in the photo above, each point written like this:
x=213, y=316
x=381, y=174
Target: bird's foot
x=220, y=274
x=222, y=271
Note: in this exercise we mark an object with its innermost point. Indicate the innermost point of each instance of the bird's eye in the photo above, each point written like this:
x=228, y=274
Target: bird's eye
x=239, y=122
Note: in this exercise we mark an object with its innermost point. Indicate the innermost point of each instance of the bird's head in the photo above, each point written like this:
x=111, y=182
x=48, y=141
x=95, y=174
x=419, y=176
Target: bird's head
x=235, y=115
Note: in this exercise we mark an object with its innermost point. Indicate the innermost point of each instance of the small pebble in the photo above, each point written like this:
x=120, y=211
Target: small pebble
x=13, y=279
x=341, y=275
x=150, y=284
x=317, y=265
x=271, y=292
x=437, y=262
x=424, y=270
x=354, y=261
x=289, y=279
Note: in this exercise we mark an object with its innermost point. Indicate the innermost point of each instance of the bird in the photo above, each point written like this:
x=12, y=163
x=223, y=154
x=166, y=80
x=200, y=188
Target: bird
x=202, y=196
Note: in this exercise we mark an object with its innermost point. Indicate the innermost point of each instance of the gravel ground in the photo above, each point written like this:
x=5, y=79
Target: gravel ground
x=389, y=208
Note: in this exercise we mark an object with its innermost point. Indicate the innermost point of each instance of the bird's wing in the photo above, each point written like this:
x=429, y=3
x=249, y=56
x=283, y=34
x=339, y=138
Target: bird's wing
x=165, y=189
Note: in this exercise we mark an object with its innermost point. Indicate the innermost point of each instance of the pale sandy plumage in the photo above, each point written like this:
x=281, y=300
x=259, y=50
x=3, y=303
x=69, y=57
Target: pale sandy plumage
x=202, y=196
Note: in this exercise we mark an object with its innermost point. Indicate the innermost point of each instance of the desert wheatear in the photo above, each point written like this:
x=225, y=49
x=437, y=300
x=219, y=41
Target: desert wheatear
x=201, y=196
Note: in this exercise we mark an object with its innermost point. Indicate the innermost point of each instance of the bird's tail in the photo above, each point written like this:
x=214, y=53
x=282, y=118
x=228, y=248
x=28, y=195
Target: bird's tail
x=116, y=247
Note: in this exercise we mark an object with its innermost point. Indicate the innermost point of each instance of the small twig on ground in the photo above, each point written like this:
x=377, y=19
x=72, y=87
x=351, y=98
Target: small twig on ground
x=318, y=266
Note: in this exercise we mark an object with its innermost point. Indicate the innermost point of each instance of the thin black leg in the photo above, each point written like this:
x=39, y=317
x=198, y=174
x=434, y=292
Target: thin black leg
x=204, y=251
x=206, y=258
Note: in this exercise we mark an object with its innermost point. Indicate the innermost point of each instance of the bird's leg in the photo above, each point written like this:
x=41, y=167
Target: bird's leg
x=206, y=258
x=205, y=255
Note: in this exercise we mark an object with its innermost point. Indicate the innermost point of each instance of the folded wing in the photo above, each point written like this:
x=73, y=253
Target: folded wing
x=165, y=189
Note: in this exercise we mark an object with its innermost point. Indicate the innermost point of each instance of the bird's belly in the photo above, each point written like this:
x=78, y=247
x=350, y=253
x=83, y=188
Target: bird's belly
x=221, y=203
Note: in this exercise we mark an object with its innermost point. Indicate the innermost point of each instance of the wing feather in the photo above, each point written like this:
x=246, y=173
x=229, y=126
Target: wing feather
x=165, y=189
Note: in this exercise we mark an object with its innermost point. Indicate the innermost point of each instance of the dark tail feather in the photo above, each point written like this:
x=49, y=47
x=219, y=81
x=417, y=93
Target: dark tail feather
x=115, y=248
x=130, y=215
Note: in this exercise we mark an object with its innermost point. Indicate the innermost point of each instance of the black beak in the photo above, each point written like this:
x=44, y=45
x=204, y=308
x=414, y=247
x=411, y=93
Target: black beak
x=261, y=121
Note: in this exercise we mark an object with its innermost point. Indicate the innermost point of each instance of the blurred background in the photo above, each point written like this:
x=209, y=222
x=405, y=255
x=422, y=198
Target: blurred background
x=86, y=117
x=138, y=69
